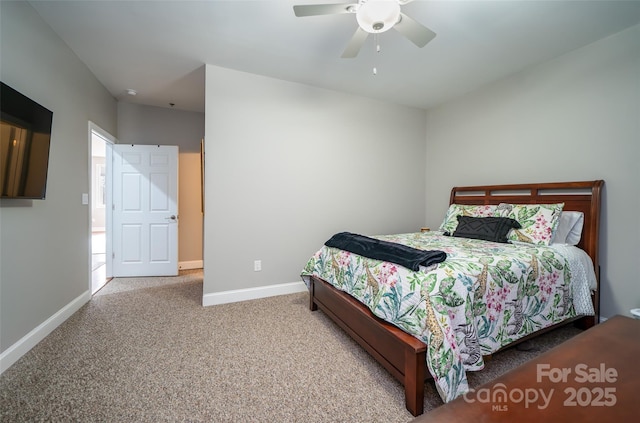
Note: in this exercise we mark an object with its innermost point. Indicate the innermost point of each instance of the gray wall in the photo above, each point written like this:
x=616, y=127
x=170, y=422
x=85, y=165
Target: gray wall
x=148, y=125
x=139, y=124
x=44, y=245
x=288, y=165
x=573, y=118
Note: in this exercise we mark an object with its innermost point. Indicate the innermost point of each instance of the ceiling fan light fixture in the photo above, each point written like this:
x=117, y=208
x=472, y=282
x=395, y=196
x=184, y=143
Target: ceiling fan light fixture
x=375, y=16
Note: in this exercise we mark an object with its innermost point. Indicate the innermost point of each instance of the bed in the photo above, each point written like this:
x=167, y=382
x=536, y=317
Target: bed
x=441, y=320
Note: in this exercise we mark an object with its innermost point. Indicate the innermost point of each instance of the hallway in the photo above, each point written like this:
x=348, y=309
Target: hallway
x=98, y=261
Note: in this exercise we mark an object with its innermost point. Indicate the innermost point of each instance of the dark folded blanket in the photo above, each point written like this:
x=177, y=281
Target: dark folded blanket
x=403, y=255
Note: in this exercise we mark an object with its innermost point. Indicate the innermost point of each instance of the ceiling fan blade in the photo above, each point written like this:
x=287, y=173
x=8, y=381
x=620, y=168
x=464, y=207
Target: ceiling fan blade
x=322, y=9
x=356, y=42
x=414, y=31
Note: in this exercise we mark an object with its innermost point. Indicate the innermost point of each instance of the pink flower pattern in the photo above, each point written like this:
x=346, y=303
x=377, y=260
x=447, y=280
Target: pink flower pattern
x=387, y=274
x=547, y=283
x=344, y=258
x=496, y=300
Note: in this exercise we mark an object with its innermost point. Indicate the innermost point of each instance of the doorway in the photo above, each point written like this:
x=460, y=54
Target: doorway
x=100, y=153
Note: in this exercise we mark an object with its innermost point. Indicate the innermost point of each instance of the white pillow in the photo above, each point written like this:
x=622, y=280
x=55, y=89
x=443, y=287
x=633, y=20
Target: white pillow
x=569, y=229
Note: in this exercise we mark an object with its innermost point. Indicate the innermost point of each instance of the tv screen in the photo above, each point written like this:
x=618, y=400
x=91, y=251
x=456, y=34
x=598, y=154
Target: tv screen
x=24, y=145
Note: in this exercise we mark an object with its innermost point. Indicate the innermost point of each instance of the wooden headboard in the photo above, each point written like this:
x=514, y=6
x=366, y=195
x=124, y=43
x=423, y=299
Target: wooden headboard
x=584, y=196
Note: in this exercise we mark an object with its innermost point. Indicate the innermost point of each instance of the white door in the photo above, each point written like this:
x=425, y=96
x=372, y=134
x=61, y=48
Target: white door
x=145, y=210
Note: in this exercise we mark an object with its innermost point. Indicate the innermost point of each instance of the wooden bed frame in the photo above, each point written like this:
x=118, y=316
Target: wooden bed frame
x=403, y=355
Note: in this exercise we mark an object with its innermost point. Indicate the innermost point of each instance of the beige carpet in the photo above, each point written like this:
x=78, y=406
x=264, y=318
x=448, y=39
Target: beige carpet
x=145, y=350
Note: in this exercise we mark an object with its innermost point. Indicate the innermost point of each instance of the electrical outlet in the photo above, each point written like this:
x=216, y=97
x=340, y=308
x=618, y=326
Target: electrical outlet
x=257, y=265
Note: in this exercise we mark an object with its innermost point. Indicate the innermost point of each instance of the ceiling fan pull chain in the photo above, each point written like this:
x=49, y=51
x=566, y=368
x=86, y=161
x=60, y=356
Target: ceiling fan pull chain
x=377, y=47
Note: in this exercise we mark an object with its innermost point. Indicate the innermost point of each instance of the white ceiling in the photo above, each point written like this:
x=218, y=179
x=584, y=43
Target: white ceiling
x=159, y=48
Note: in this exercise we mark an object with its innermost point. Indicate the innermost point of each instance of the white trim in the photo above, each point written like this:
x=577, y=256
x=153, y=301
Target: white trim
x=110, y=140
x=30, y=340
x=193, y=264
x=238, y=295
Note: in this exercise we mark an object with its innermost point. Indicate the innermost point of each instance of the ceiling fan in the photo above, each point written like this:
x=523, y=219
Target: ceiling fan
x=373, y=17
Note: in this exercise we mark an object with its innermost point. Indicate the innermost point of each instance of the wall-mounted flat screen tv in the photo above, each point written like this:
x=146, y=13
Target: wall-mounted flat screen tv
x=24, y=145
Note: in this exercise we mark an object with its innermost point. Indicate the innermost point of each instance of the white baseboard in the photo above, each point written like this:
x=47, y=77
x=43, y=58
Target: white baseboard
x=20, y=348
x=237, y=295
x=194, y=264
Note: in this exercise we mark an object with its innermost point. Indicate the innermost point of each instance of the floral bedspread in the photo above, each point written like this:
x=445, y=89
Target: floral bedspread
x=484, y=296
